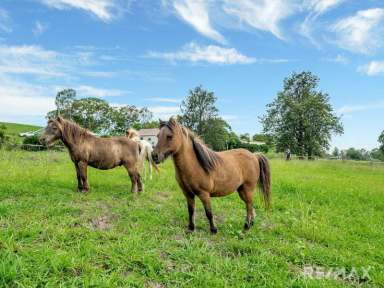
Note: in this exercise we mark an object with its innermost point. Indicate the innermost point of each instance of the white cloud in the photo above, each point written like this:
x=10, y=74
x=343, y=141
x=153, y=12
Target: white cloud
x=20, y=100
x=321, y=6
x=196, y=14
x=263, y=15
x=90, y=91
x=362, y=32
x=372, y=68
x=105, y=10
x=340, y=58
x=210, y=54
x=5, y=21
x=28, y=59
x=164, y=100
x=164, y=112
x=316, y=8
x=229, y=117
x=99, y=74
x=349, y=109
x=39, y=28
x=39, y=62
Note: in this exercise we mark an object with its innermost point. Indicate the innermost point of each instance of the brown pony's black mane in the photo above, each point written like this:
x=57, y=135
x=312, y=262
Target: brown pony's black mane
x=207, y=158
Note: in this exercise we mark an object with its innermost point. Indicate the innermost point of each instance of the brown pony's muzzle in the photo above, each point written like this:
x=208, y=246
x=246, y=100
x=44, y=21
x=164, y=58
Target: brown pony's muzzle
x=42, y=141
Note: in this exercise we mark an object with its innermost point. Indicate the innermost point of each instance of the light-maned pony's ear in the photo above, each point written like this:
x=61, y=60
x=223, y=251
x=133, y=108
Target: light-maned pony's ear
x=172, y=120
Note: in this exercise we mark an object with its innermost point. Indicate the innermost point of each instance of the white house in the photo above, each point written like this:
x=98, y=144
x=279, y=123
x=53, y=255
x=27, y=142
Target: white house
x=149, y=135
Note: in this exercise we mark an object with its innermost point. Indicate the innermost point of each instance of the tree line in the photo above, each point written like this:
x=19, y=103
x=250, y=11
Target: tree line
x=300, y=119
x=98, y=115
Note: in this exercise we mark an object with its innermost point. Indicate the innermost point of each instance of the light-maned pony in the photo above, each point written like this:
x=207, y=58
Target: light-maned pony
x=204, y=173
x=145, y=152
x=86, y=149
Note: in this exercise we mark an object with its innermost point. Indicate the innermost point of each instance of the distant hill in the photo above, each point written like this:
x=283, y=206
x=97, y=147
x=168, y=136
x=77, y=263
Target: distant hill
x=13, y=129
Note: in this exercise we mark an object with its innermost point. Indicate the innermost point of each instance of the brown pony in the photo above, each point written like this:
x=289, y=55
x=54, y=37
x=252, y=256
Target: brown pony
x=86, y=149
x=204, y=173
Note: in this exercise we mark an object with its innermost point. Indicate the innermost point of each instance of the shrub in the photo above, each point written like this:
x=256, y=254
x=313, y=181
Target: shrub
x=32, y=143
x=3, y=137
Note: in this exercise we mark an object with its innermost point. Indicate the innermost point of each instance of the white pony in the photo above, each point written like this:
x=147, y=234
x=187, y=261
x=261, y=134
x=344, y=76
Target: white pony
x=145, y=152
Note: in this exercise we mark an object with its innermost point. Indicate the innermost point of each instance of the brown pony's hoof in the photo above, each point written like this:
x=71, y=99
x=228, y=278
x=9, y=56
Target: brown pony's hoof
x=81, y=190
x=247, y=225
x=213, y=230
x=190, y=228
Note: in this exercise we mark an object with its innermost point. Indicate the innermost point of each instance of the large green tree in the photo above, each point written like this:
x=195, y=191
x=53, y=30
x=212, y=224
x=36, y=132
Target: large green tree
x=217, y=134
x=92, y=113
x=124, y=117
x=63, y=101
x=301, y=117
x=98, y=116
x=200, y=114
x=197, y=109
x=245, y=137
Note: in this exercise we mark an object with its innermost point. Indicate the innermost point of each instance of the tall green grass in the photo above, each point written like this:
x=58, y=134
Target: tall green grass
x=325, y=214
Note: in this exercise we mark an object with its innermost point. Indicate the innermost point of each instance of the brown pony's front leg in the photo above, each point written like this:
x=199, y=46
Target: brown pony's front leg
x=83, y=176
x=206, y=200
x=191, y=210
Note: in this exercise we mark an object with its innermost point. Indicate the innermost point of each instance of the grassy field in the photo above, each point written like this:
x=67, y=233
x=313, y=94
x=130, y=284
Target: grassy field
x=13, y=130
x=325, y=214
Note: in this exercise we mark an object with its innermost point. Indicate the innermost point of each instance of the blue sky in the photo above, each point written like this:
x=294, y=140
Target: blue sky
x=150, y=53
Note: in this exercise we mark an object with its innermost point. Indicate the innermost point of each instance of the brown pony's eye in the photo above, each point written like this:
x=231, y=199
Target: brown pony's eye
x=169, y=137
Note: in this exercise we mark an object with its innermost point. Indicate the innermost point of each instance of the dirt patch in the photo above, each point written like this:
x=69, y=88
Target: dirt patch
x=153, y=284
x=104, y=222
x=267, y=225
x=162, y=194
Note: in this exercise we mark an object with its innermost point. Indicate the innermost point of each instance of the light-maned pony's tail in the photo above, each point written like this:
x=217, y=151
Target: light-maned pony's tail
x=265, y=179
x=152, y=162
x=138, y=152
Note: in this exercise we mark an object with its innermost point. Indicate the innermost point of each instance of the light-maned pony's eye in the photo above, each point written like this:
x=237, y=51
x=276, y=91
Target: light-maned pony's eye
x=169, y=137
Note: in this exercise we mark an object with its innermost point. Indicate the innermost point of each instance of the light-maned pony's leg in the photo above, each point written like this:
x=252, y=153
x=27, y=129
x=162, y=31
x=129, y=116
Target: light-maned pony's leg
x=149, y=158
x=143, y=164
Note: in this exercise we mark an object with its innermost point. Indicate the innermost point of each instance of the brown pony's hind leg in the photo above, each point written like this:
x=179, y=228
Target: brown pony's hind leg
x=137, y=186
x=79, y=181
x=206, y=200
x=83, y=176
x=246, y=194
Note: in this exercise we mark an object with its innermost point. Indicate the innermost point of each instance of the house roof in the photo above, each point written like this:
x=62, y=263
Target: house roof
x=149, y=132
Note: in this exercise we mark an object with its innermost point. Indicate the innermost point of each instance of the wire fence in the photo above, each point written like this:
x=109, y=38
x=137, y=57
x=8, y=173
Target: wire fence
x=32, y=147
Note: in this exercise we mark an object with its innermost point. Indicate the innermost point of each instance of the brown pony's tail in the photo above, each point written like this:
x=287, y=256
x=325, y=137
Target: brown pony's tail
x=265, y=179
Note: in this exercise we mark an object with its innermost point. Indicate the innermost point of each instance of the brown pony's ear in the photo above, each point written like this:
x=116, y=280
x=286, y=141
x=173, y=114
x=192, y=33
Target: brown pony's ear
x=162, y=123
x=59, y=119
